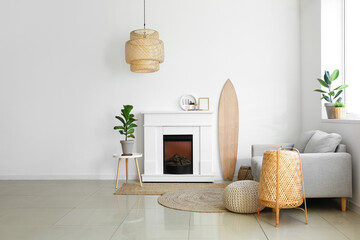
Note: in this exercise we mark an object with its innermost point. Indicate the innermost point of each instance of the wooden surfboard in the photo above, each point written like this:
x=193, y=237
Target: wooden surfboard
x=228, y=129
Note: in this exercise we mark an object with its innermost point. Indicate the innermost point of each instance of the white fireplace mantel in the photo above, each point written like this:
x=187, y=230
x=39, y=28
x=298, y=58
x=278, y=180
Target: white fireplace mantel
x=198, y=124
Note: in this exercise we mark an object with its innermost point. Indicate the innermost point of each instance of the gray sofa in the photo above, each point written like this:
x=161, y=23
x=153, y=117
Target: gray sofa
x=326, y=175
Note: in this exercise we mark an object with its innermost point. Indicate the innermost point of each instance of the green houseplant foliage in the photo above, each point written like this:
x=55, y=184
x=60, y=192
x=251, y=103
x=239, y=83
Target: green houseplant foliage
x=339, y=105
x=330, y=95
x=128, y=122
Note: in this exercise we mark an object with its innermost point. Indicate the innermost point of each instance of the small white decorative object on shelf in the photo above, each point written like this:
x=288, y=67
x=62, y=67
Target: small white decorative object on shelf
x=187, y=102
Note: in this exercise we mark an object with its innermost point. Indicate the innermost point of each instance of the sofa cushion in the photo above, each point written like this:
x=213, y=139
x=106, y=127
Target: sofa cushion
x=256, y=164
x=322, y=142
x=303, y=141
x=259, y=149
x=341, y=148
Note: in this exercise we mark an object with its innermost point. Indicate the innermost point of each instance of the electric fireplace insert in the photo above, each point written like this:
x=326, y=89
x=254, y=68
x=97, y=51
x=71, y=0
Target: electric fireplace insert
x=178, y=154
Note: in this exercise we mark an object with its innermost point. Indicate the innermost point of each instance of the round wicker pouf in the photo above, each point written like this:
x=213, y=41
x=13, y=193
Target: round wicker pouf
x=242, y=197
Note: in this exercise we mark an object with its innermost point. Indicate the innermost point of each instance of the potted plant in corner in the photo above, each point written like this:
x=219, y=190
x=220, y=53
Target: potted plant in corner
x=128, y=128
x=331, y=94
x=339, y=110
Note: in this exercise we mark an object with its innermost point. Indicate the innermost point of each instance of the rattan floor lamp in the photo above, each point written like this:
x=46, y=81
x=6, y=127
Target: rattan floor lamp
x=281, y=183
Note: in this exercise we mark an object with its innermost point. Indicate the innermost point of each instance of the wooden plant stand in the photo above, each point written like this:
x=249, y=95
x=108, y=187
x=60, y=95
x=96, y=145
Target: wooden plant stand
x=134, y=156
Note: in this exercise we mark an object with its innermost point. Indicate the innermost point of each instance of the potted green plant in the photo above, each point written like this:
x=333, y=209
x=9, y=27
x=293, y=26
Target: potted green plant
x=339, y=110
x=331, y=95
x=127, y=129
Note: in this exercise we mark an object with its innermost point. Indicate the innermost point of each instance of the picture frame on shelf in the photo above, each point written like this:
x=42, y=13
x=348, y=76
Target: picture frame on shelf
x=204, y=104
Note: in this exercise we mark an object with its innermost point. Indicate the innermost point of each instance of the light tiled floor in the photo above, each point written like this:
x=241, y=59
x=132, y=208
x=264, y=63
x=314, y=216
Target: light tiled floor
x=54, y=210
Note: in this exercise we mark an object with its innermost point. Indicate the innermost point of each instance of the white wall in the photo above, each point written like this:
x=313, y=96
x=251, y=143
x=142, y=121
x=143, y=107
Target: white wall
x=311, y=107
x=63, y=76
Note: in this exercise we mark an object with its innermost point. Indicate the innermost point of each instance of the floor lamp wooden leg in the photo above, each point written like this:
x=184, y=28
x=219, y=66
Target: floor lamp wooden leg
x=305, y=208
x=127, y=171
x=277, y=217
x=117, y=175
x=138, y=172
x=343, y=204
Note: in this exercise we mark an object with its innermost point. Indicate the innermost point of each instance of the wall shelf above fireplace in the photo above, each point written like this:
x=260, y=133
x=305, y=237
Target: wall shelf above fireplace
x=177, y=112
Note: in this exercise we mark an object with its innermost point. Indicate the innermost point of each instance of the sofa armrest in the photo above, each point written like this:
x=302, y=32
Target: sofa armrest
x=327, y=174
x=341, y=148
x=259, y=149
x=329, y=157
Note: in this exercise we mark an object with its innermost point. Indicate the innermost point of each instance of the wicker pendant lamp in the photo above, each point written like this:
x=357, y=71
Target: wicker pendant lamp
x=144, y=51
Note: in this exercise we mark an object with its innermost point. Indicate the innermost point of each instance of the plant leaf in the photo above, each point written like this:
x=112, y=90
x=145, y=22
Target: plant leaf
x=121, y=119
x=128, y=108
x=326, y=98
x=125, y=114
x=319, y=90
x=131, y=130
x=339, y=104
x=118, y=127
x=332, y=93
x=327, y=75
x=126, y=111
x=131, y=136
x=132, y=125
x=334, y=75
x=341, y=87
x=121, y=132
x=338, y=93
x=323, y=83
x=339, y=99
x=130, y=121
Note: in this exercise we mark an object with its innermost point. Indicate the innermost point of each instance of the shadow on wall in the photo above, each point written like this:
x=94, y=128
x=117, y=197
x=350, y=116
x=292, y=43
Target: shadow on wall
x=139, y=140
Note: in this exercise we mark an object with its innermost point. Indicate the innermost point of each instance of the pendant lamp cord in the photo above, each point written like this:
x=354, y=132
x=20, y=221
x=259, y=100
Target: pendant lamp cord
x=144, y=21
x=144, y=14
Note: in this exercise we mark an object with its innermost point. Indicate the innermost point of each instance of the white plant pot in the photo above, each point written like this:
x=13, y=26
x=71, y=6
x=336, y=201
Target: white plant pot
x=329, y=110
x=127, y=146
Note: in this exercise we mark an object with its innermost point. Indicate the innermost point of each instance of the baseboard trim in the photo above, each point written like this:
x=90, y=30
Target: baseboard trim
x=354, y=207
x=65, y=177
x=177, y=178
x=76, y=177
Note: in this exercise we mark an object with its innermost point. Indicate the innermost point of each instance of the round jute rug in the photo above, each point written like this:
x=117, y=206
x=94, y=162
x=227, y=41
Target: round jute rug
x=194, y=200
